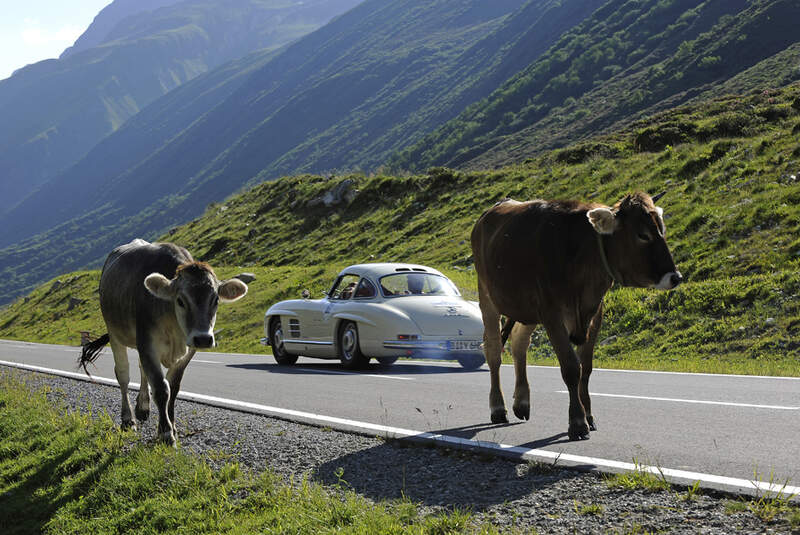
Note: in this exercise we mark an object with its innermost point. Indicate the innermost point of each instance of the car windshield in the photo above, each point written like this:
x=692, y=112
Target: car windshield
x=416, y=284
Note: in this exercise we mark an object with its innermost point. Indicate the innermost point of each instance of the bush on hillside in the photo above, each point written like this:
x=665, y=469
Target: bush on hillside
x=657, y=138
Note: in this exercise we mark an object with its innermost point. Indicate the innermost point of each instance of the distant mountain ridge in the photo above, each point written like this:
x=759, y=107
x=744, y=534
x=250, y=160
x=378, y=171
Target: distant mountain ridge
x=335, y=76
x=55, y=111
x=109, y=16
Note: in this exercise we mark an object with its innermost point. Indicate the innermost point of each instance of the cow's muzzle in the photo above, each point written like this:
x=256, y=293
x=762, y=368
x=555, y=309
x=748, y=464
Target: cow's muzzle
x=202, y=341
x=669, y=280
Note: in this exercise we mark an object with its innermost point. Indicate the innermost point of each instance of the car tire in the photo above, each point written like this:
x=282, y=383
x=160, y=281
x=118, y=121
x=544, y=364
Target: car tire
x=471, y=362
x=349, y=349
x=386, y=361
x=282, y=357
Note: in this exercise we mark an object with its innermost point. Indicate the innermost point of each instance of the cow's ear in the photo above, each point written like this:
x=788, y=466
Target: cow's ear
x=160, y=286
x=660, y=220
x=231, y=290
x=603, y=220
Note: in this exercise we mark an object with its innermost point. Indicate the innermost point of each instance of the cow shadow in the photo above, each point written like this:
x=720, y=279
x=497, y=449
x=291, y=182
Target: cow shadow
x=333, y=367
x=470, y=431
x=436, y=475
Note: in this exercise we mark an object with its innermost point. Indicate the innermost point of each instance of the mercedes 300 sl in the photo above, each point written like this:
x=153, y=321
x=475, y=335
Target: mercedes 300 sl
x=381, y=311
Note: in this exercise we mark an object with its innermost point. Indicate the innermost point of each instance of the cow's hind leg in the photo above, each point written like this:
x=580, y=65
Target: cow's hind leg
x=586, y=354
x=520, y=340
x=174, y=376
x=492, y=349
x=122, y=371
x=143, y=399
x=570, y=373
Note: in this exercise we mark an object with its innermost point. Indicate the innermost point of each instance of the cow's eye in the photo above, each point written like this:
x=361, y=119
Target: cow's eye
x=215, y=300
x=180, y=303
x=644, y=237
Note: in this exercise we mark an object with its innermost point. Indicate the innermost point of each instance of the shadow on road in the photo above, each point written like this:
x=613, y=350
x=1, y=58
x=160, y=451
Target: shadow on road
x=438, y=476
x=558, y=438
x=471, y=431
x=334, y=368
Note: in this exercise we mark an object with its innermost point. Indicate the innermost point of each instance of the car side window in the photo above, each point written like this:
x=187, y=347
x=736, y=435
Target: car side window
x=345, y=288
x=365, y=289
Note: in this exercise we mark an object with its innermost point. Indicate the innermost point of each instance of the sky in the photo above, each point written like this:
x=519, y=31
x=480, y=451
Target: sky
x=33, y=30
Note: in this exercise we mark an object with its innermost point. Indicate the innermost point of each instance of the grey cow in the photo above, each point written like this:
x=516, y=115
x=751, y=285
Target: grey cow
x=156, y=298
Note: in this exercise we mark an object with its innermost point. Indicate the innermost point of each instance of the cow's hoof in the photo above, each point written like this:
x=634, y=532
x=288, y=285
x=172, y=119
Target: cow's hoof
x=577, y=435
x=592, y=423
x=579, y=431
x=128, y=425
x=142, y=415
x=499, y=416
x=523, y=412
x=167, y=437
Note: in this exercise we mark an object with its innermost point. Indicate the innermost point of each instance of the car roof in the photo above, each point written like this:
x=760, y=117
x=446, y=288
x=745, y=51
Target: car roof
x=377, y=270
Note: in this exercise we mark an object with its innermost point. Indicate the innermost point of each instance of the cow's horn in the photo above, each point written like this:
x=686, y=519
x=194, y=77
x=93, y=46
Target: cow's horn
x=656, y=197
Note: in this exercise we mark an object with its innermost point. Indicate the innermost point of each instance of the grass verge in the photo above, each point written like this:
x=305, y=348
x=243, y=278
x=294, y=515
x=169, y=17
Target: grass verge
x=67, y=472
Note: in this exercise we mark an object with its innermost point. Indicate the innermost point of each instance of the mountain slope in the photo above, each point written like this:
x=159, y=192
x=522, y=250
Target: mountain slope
x=56, y=110
x=107, y=19
x=315, y=81
x=628, y=59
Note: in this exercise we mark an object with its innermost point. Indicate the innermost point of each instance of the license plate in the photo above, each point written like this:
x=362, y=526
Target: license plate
x=463, y=345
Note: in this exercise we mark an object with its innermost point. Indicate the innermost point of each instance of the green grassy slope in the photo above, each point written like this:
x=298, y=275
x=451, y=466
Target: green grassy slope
x=56, y=110
x=628, y=58
x=730, y=170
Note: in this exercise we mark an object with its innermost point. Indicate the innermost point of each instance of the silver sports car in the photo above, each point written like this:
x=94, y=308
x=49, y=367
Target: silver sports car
x=385, y=311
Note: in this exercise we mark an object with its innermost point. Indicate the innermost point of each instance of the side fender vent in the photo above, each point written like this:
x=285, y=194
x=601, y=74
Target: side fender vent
x=294, y=328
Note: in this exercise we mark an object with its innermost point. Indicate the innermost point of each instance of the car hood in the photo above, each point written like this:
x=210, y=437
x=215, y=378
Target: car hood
x=441, y=316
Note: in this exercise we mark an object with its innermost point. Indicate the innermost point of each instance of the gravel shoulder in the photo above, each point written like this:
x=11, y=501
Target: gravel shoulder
x=511, y=495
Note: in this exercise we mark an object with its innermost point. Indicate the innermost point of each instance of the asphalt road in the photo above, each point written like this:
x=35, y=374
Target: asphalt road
x=733, y=426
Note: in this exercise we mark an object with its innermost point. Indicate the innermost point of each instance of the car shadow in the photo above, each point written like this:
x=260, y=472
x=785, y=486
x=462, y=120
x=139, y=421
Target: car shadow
x=333, y=367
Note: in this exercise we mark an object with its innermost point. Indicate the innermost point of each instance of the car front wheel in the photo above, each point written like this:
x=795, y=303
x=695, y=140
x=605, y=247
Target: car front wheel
x=349, y=350
x=282, y=356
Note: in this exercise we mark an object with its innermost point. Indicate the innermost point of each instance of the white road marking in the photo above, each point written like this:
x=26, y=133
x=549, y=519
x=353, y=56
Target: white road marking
x=699, y=401
x=682, y=477
x=739, y=376
x=337, y=372
x=207, y=361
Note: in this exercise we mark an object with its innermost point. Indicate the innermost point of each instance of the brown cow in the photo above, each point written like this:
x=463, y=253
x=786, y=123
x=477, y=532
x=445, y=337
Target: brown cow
x=551, y=263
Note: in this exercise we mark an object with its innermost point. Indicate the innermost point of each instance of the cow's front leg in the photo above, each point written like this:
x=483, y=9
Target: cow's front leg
x=122, y=371
x=152, y=367
x=570, y=373
x=143, y=399
x=586, y=354
x=174, y=376
x=520, y=340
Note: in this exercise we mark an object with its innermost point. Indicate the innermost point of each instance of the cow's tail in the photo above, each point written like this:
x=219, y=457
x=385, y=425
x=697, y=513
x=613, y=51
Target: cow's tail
x=505, y=332
x=91, y=350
